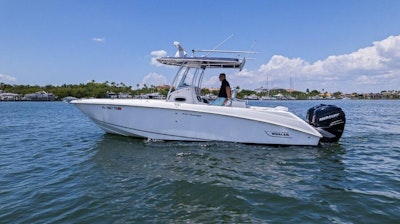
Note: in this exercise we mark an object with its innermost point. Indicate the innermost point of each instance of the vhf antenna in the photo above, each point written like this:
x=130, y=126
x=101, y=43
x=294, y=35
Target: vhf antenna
x=214, y=49
x=223, y=51
x=221, y=44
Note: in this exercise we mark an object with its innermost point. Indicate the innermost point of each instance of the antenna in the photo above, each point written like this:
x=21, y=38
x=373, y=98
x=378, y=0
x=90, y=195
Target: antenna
x=223, y=42
x=214, y=49
x=225, y=51
x=253, y=45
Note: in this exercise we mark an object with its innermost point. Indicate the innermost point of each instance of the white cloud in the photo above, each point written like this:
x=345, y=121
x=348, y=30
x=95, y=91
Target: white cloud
x=99, y=40
x=154, y=79
x=363, y=79
x=372, y=68
x=7, y=78
x=155, y=55
x=389, y=47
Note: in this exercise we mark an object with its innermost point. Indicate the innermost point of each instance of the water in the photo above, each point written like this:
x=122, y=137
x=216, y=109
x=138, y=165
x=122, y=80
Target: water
x=58, y=167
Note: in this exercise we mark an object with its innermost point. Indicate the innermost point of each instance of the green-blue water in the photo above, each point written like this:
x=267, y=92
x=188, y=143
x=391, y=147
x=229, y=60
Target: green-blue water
x=58, y=167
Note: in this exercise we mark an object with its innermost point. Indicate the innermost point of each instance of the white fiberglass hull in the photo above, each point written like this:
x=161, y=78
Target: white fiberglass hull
x=156, y=119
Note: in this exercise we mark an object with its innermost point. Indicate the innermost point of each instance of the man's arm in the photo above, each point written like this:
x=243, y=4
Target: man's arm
x=228, y=92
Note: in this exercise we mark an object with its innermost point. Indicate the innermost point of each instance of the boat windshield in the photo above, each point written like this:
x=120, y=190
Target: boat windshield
x=188, y=77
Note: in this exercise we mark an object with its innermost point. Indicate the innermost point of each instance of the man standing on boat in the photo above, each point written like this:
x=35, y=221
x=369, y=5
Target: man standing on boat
x=224, y=95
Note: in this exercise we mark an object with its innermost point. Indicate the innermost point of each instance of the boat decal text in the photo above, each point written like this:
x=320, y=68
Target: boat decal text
x=190, y=114
x=111, y=108
x=281, y=134
x=329, y=117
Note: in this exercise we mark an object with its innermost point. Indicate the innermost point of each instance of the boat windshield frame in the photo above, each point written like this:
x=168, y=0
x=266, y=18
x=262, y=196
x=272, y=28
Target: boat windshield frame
x=199, y=64
x=185, y=77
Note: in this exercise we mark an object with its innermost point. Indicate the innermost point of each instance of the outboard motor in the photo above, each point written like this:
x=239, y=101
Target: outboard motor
x=329, y=120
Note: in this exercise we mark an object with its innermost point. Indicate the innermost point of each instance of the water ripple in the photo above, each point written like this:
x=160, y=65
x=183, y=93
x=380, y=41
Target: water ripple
x=57, y=167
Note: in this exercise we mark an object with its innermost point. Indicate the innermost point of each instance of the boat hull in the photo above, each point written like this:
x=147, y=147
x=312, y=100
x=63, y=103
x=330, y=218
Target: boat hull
x=163, y=120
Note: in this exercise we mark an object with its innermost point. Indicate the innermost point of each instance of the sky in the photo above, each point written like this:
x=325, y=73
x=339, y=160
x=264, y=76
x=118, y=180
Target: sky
x=331, y=45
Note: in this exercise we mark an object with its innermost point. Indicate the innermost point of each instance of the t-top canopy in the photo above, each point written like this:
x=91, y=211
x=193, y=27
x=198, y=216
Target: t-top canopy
x=203, y=62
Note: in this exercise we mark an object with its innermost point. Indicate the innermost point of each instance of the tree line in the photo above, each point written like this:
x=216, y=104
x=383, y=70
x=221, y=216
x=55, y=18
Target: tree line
x=82, y=90
x=95, y=89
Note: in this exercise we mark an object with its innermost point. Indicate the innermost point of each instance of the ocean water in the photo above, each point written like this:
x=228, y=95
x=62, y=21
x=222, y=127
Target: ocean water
x=56, y=166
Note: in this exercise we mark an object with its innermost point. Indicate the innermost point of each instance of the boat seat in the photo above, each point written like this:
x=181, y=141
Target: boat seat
x=233, y=93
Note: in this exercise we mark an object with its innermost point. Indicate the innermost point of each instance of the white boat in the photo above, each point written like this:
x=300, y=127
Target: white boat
x=68, y=99
x=186, y=116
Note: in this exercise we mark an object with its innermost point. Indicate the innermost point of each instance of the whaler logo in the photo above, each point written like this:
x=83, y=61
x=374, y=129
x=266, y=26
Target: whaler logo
x=329, y=117
x=281, y=134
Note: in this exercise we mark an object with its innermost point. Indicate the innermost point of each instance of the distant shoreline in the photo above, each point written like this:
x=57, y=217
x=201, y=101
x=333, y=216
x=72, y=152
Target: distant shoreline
x=325, y=100
x=120, y=90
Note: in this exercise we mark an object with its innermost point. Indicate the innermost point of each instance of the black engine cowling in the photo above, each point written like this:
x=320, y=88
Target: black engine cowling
x=329, y=120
